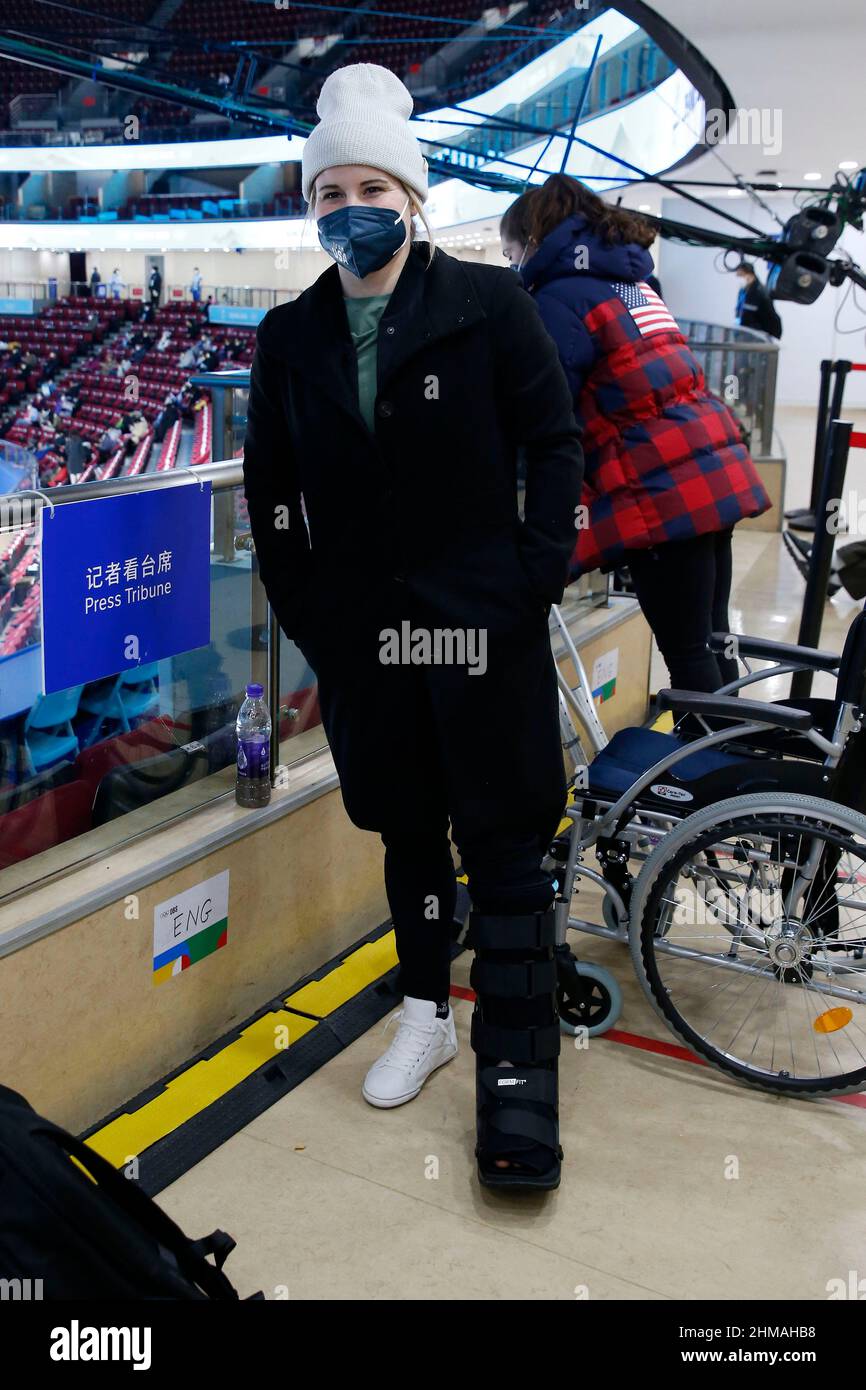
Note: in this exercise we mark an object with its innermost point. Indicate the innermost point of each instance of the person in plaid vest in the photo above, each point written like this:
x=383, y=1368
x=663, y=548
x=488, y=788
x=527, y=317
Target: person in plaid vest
x=667, y=476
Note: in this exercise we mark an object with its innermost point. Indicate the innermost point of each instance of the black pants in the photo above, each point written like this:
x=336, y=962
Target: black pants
x=683, y=588
x=475, y=762
x=502, y=866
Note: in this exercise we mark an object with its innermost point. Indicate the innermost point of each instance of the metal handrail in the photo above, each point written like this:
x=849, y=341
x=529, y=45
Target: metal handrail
x=223, y=474
x=758, y=401
x=230, y=296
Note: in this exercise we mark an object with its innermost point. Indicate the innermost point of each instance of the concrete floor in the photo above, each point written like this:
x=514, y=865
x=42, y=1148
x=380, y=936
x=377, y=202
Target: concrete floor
x=329, y=1198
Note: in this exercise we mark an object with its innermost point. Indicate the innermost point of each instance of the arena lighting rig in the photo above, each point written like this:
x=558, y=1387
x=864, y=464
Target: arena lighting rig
x=798, y=254
x=801, y=265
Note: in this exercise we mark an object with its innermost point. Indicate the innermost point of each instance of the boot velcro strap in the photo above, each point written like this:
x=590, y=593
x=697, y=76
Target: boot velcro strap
x=500, y=932
x=516, y=980
x=510, y=1085
x=515, y=1044
x=528, y=1124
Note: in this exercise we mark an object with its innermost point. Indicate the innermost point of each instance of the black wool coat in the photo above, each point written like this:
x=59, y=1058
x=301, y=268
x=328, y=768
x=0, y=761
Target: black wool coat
x=418, y=521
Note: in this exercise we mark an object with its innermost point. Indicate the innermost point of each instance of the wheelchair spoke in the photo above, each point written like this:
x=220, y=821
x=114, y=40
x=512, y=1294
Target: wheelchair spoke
x=753, y=911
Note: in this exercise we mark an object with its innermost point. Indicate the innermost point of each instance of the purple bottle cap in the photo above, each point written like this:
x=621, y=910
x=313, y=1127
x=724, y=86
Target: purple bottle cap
x=255, y=691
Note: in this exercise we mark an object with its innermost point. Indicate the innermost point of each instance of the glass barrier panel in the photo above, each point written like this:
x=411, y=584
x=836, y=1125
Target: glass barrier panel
x=85, y=770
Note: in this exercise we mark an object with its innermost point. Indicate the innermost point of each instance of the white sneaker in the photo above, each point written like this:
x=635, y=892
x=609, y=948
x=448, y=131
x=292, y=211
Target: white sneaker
x=423, y=1043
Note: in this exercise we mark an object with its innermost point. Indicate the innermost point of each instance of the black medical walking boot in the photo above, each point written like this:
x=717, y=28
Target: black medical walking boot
x=516, y=1038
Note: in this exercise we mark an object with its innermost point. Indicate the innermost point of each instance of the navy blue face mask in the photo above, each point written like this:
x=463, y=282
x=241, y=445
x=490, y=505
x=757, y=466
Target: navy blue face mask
x=363, y=239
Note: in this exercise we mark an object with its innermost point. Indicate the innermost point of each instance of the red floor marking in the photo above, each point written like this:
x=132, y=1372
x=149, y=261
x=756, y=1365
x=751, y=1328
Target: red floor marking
x=461, y=992
x=663, y=1049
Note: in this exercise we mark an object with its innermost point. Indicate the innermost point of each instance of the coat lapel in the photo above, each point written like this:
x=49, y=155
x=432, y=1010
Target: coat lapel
x=425, y=307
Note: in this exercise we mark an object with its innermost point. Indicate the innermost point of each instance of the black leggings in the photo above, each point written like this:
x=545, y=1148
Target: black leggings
x=683, y=588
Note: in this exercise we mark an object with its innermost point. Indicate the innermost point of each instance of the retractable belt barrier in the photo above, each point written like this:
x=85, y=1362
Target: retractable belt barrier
x=834, y=376
x=841, y=437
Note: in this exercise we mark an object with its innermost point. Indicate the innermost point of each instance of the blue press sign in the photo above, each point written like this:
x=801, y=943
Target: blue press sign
x=125, y=581
x=235, y=313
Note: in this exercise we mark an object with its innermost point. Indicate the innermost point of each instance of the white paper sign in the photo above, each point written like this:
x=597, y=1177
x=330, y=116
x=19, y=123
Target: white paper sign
x=604, y=672
x=191, y=925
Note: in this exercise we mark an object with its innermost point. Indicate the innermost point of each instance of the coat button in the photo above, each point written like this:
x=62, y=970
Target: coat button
x=385, y=408
x=389, y=329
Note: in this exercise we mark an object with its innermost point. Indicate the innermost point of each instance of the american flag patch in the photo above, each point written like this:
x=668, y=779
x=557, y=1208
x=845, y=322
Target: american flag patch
x=649, y=312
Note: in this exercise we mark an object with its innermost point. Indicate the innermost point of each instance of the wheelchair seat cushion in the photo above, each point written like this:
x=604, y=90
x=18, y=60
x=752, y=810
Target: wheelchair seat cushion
x=631, y=752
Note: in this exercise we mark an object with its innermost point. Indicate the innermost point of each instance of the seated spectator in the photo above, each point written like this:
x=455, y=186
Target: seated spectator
x=166, y=418
x=109, y=443
x=77, y=452
x=138, y=428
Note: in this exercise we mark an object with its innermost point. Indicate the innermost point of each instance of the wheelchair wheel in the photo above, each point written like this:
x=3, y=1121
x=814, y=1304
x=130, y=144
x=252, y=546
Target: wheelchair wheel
x=748, y=928
x=587, y=996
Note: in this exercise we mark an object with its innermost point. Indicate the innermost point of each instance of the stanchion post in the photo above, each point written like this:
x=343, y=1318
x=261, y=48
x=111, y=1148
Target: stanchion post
x=839, y=442
x=827, y=370
x=842, y=370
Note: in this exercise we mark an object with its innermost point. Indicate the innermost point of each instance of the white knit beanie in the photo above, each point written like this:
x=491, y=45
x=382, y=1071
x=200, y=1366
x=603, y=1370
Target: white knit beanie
x=364, y=111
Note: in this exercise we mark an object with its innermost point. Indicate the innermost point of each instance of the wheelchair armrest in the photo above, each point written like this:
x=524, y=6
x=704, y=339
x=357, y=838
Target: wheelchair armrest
x=732, y=707
x=763, y=649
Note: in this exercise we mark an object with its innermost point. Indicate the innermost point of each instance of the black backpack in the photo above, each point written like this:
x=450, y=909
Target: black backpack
x=94, y=1233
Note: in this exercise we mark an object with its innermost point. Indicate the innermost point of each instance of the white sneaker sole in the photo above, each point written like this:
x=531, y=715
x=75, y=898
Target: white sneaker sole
x=390, y=1104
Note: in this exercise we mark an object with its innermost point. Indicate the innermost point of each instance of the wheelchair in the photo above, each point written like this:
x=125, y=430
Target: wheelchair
x=731, y=853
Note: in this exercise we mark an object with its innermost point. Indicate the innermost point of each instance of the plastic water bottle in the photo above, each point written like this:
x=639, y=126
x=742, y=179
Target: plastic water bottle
x=253, y=784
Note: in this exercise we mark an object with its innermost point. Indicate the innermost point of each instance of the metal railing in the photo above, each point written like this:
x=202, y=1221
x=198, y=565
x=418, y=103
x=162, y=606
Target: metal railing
x=234, y=296
x=245, y=210
x=23, y=289
x=740, y=366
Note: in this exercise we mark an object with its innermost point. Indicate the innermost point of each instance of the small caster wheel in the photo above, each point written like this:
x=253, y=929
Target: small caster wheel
x=587, y=996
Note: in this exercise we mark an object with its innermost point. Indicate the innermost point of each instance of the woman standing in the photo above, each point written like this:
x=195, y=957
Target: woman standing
x=393, y=395
x=667, y=477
